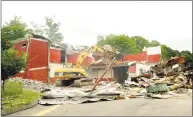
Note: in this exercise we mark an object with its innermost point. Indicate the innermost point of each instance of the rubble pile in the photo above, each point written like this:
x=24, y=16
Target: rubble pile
x=32, y=84
x=165, y=80
x=80, y=95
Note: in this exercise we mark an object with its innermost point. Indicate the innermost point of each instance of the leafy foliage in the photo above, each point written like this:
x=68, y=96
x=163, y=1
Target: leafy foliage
x=37, y=29
x=5, y=43
x=14, y=29
x=12, y=63
x=14, y=96
x=12, y=88
x=188, y=56
x=50, y=30
x=153, y=43
x=140, y=42
x=122, y=43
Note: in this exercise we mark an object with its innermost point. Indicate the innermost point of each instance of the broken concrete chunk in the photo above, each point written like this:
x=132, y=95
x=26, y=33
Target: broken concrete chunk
x=161, y=87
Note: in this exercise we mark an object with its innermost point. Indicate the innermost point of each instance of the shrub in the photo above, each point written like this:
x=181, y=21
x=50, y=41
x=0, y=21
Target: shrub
x=12, y=88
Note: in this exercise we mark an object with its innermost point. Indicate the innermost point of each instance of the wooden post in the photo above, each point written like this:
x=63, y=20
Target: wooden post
x=98, y=73
x=103, y=74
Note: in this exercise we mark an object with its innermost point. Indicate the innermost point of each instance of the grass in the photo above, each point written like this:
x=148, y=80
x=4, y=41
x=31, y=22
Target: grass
x=14, y=96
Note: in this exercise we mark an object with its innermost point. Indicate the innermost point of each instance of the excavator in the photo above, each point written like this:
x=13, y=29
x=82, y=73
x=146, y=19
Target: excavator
x=76, y=75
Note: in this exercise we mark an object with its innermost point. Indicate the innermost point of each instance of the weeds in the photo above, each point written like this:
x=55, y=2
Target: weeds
x=14, y=95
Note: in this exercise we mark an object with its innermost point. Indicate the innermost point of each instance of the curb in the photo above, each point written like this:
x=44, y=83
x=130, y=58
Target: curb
x=17, y=109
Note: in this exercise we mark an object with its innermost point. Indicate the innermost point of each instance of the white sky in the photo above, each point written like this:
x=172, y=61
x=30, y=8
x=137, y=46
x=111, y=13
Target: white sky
x=81, y=21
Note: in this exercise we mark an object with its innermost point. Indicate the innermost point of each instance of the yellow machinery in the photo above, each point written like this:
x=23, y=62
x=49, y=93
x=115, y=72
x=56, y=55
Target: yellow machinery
x=67, y=76
x=77, y=75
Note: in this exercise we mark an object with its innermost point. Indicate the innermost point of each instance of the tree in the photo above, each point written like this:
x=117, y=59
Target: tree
x=37, y=29
x=188, y=57
x=14, y=29
x=167, y=52
x=140, y=42
x=11, y=61
x=5, y=43
x=49, y=30
x=154, y=43
x=99, y=38
x=52, y=30
x=122, y=43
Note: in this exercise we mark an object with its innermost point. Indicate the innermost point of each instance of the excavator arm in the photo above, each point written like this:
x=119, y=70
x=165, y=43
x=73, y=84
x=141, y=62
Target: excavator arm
x=107, y=51
x=85, y=53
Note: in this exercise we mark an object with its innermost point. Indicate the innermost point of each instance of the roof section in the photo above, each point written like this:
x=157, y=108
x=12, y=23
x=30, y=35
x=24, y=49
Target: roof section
x=32, y=36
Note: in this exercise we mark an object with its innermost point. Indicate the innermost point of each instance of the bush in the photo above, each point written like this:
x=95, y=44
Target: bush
x=14, y=96
x=12, y=88
x=12, y=62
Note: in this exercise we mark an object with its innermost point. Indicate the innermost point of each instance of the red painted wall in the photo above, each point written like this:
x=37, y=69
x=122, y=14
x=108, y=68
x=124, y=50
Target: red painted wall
x=143, y=57
x=18, y=46
x=55, y=56
x=38, y=54
x=40, y=74
x=19, y=75
x=37, y=57
x=135, y=57
x=132, y=69
x=72, y=58
x=154, y=58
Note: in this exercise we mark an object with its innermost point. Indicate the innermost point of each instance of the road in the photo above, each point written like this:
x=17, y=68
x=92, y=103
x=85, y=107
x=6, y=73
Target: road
x=132, y=107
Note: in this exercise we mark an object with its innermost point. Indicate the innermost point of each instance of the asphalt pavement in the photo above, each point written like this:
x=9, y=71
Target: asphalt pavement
x=132, y=107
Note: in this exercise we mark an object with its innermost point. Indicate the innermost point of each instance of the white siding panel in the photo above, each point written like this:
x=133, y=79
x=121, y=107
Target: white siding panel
x=143, y=66
x=53, y=67
x=154, y=50
x=93, y=73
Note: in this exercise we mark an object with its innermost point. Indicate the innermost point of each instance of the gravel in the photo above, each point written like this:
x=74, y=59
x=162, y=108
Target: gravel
x=32, y=84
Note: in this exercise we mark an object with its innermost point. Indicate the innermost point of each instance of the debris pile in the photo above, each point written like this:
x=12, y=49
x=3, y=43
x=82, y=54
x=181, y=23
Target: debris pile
x=32, y=84
x=164, y=80
x=164, y=77
x=81, y=95
x=170, y=79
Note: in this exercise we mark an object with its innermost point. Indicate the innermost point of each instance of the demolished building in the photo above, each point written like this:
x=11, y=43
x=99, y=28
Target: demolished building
x=43, y=58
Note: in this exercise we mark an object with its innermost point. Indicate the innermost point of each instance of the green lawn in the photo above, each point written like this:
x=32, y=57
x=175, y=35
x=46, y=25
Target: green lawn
x=15, y=96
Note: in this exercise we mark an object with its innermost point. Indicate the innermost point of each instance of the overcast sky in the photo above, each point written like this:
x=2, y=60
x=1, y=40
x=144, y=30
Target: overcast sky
x=81, y=21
